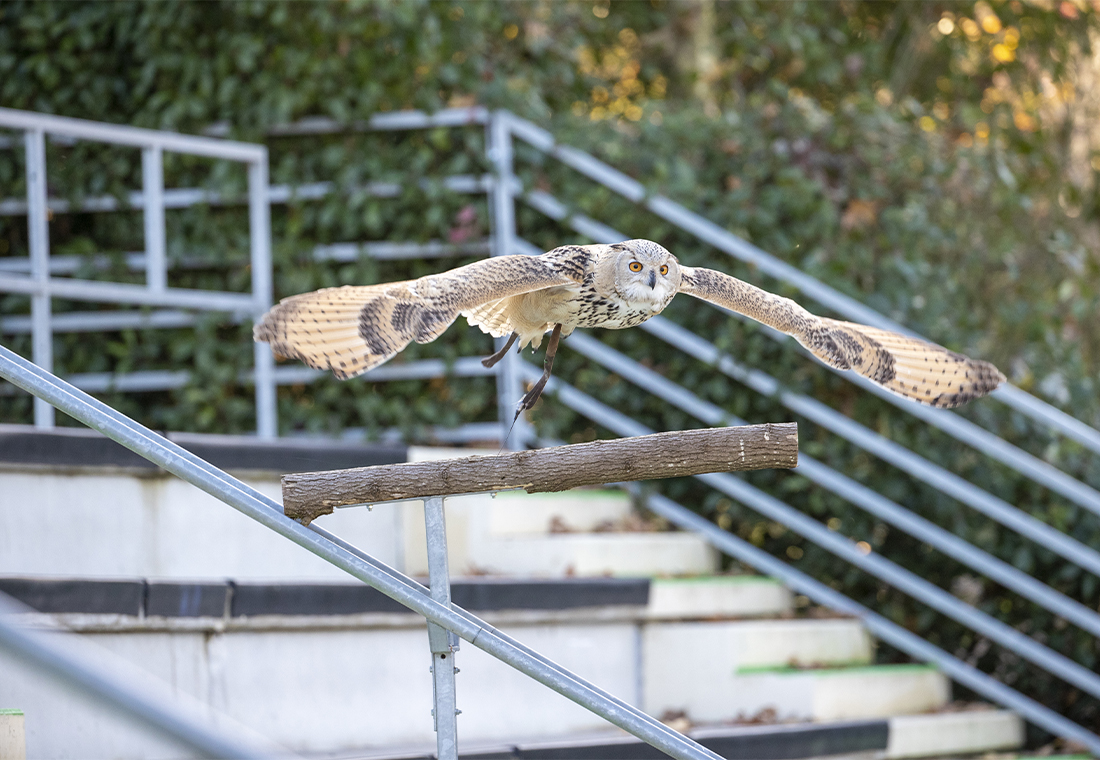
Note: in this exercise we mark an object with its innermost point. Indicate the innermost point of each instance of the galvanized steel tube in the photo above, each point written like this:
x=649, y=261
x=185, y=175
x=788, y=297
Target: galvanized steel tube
x=187, y=466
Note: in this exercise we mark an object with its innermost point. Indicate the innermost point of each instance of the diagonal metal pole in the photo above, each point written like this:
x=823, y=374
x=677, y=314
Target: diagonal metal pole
x=247, y=500
x=120, y=686
x=875, y=564
x=905, y=640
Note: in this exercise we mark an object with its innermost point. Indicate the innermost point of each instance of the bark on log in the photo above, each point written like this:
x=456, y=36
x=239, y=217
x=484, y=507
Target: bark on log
x=308, y=495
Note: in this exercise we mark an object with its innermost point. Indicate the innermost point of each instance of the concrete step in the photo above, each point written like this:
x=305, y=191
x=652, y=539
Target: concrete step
x=954, y=733
x=717, y=596
x=593, y=554
x=122, y=523
x=707, y=690
x=354, y=668
x=549, y=535
x=740, y=646
x=516, y=513
x=840, y=741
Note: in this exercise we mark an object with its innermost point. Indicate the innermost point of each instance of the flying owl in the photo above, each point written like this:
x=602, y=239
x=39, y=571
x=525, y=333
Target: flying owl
x=351, y=329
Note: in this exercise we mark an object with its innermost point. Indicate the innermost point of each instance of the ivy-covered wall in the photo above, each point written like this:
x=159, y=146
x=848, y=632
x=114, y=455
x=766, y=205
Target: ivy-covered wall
x=937, y=161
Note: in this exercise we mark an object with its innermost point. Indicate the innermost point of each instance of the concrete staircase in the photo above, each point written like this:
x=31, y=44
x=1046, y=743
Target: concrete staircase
x=333, y=667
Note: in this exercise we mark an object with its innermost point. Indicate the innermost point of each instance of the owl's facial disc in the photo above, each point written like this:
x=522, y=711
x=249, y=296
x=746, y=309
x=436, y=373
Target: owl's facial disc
x=646, y=272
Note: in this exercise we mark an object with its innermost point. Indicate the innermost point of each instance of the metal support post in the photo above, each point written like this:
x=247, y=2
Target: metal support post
x=259, y=232
x=156, y=257
x=38, y=235
x=443, y=643
x=503, y=218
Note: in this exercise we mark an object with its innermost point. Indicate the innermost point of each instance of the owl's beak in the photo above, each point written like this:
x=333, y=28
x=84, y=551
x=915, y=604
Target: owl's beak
x=652, y=280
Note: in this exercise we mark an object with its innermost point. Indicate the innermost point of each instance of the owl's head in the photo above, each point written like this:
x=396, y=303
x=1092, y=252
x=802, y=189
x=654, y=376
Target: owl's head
x=645, y=271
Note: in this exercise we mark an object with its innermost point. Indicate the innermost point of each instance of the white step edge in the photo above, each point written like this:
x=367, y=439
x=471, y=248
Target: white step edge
x=739, y=647
x=716, y=695
x=954, y=733
x=594, y=554
x=717, y=596
x=515, y=513
x=13, y=741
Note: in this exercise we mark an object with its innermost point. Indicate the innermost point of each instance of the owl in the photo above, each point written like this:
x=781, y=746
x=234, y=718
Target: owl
x=351, y=329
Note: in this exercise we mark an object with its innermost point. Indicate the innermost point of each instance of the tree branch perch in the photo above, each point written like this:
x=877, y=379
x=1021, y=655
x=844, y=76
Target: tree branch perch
x=309, y=495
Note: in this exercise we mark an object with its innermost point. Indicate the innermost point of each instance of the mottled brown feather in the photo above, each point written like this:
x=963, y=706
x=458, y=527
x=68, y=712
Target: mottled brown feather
x=907, y=366
x=353, y=329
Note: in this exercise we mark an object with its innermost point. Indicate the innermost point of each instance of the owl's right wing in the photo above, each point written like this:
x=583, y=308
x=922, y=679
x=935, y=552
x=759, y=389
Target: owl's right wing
x=352, y=329
x=907, y=366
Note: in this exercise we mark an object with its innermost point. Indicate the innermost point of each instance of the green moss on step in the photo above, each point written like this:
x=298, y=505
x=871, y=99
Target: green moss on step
x=726, y=579
x=839, y=669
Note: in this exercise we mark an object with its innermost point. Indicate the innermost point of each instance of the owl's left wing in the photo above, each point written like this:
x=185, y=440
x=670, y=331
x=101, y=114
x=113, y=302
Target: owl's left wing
x=907, y=366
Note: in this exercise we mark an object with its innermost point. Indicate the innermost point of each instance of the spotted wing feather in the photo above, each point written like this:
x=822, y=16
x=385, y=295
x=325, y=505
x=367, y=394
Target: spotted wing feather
x=493, y=318
x=352, y=329
x=907, y=366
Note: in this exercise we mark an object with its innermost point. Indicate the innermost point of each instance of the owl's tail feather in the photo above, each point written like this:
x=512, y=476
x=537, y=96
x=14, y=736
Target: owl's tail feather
x=350, y=330
x=907, y=366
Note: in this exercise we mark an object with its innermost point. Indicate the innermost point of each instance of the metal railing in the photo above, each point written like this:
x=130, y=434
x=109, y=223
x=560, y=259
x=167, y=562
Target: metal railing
x=742, y=550
x=721, y=239
x=357, y=563
x=42, y=286
x=853, y=492
x=504, y=190
x=118, y=684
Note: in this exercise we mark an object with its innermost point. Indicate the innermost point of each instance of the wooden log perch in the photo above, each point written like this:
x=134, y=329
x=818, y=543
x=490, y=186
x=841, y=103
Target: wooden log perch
x=308, y=495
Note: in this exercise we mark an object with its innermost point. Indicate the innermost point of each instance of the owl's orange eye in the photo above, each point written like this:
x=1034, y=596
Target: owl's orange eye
x=664, y=268
x=635, y=266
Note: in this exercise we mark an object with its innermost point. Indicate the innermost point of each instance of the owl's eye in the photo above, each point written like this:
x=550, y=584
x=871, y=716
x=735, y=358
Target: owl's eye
x=635, y=266
x=664, y=268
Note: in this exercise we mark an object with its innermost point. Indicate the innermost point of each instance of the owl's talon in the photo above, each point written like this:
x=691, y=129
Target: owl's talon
x=532, y=396
x=491, y=361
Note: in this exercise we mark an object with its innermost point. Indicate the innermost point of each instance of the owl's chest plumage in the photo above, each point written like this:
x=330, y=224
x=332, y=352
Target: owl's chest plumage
x=591, y=301
x=584, y=305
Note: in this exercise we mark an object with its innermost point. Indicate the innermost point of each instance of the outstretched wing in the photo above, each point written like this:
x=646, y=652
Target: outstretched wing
x=907, y=366
x=354, y=328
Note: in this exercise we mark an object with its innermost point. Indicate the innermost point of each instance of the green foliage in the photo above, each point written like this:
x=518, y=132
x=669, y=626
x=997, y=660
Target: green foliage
x=915, y=156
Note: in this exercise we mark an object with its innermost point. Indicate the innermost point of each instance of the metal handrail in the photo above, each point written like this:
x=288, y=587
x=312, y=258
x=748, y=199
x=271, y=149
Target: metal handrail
x=42, y=287
x=954, y=425
x=891, y=632
x=835, y=481
x=846, y=549
x=65, y=657
x=725, y=241
x=885, y=449
x=398, y=587
x=938, y=477
x=185, y=197
x=138, y=137
x=869, y=500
